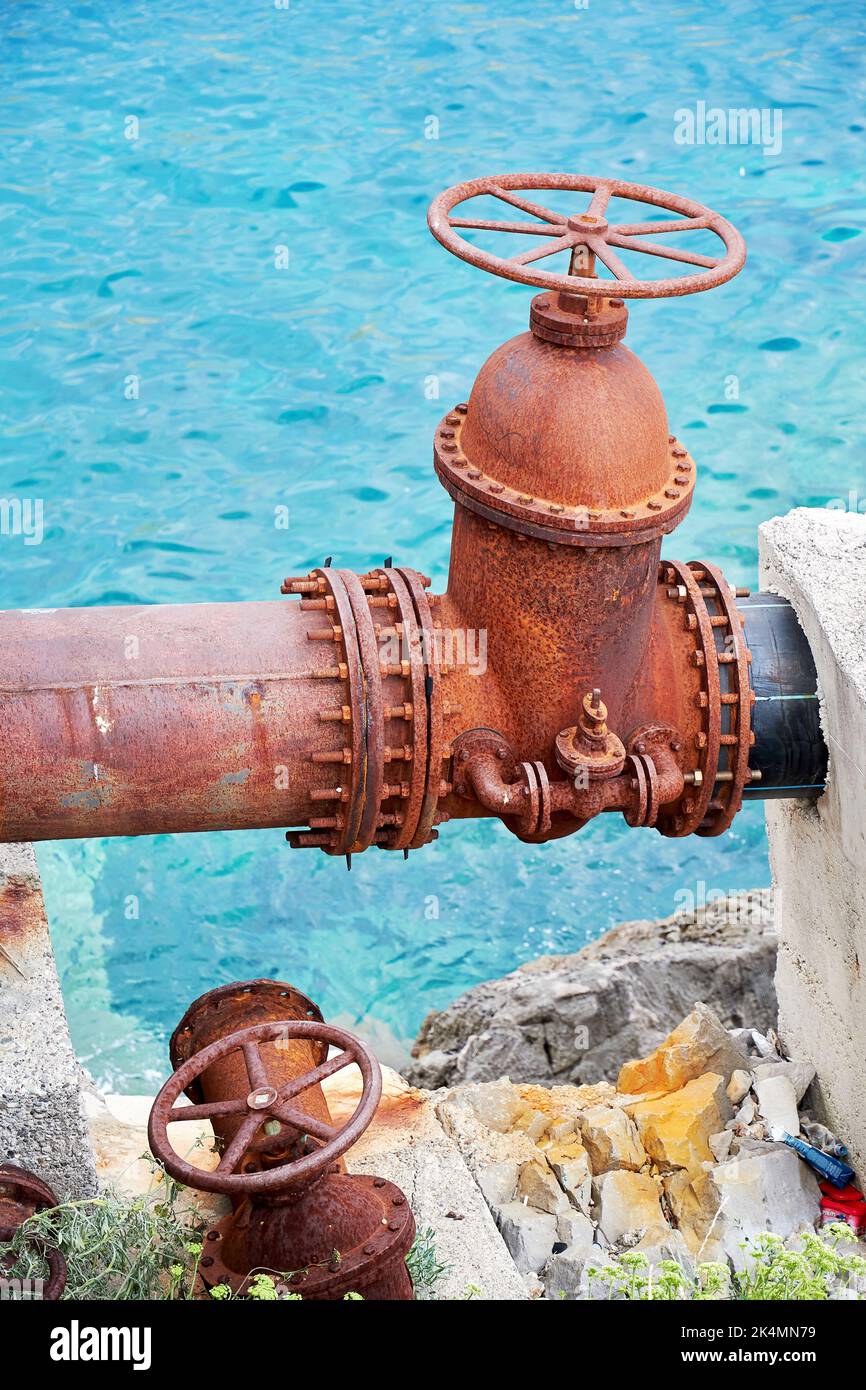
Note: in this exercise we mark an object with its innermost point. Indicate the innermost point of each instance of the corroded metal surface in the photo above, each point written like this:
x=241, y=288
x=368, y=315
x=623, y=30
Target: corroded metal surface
x=560, y=232
x=21, y=1195
x=223, y=1011
x=298, y=1215
x=536, y=451
x=376, y=782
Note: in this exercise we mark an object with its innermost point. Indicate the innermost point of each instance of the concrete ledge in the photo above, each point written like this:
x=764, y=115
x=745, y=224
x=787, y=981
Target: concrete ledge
x=817, y=559
x=42, y=1125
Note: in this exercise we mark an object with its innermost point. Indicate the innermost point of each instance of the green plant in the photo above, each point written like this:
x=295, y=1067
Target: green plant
x=150, y=1247
x=115, y=1248
x=630, y=1276
x=424, y=1265
x=264, y=1289
x=811, y=1269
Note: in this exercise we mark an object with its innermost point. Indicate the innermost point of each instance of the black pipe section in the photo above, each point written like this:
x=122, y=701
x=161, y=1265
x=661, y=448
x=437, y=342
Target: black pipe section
x=789, y=749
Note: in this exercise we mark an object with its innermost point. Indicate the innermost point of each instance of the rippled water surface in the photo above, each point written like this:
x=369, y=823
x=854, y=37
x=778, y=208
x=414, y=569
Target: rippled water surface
x=154, y=257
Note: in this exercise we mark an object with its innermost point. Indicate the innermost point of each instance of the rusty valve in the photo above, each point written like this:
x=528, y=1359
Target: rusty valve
x=590, y=749
x=21, y=1194
x=370, y=711
x=329, y=1232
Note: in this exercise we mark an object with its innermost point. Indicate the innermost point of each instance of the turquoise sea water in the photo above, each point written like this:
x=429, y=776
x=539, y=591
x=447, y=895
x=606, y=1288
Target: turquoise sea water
x=154, y=257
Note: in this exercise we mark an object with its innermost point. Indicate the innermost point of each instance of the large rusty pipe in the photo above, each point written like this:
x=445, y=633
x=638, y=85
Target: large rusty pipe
x=127, y=721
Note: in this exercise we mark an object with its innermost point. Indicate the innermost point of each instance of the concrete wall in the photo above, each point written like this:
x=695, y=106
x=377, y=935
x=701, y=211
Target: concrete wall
x=42, y=1124
x=817, y=559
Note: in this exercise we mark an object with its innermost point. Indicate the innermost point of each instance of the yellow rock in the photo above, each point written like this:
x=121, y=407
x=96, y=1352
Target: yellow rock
x=694, y=1203
x=610, y=1139
x=538, y=1187
x=675, y=1129
x=627, y=1202
x=698, y=1045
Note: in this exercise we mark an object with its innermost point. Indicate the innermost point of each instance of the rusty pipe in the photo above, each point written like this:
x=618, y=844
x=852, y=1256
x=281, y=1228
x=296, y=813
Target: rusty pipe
x=139, y=720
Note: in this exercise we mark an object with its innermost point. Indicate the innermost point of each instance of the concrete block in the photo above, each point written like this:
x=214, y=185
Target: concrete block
x=407, y=1144
x=765, y=1188
x=42, y=1122
x=817, y=560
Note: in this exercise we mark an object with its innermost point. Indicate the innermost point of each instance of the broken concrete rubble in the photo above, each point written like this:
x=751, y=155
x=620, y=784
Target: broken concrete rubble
x=611, y=1139
x=585, y=1173
x=777, y=1102
x=529, y=1234
x=739, y=1086
x=627, y=1203
x=800, y=1074
x=693, y=1201
x=570, y=1165
x=764, y=1188
x=538, y=1187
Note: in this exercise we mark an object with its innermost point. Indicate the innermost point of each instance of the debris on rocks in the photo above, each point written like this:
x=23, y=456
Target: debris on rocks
x=683, y=1160
x=822, y=1137
x=831, y=1169
x=843, y=1204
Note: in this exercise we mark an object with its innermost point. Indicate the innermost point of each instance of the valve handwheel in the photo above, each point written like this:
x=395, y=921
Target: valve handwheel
x=262, y=1103
x=588, y=229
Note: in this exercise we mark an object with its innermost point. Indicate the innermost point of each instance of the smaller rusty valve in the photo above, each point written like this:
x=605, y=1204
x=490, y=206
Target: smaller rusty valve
x=590, y=750
x=330, y=1232
x=239, y=1005
x=22, y=1194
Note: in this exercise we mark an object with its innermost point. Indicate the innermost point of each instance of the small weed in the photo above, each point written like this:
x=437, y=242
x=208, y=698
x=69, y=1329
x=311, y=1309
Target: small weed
x=148, y=1248
x=812, y=1270
x=424, y=1265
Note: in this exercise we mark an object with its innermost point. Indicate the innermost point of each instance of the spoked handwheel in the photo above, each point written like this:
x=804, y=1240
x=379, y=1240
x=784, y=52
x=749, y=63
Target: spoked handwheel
x=587, y=235
x=263, y=1103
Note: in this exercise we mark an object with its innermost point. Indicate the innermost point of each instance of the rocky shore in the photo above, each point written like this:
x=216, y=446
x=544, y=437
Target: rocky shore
x=575, y=1019
x=585, y=1113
